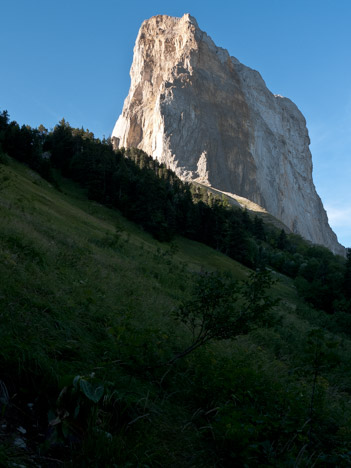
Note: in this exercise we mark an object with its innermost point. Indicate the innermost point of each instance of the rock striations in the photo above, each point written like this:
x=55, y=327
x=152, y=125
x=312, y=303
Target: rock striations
x=212, y=120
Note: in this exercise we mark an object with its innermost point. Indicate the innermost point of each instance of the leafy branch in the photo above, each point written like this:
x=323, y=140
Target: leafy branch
x=223, y=309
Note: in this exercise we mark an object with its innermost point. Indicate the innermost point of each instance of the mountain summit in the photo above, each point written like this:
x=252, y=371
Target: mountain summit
x=212, y=119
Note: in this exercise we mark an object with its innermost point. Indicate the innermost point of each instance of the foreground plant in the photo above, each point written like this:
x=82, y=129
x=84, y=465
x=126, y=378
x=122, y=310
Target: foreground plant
x=223, y=309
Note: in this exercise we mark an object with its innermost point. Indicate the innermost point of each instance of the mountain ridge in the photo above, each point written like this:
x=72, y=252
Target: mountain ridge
x=212, y=120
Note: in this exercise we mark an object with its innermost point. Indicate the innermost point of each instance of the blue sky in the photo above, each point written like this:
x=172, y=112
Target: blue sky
x=72, y=58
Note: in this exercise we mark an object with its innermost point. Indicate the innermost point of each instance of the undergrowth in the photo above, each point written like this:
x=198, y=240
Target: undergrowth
x=88, y=308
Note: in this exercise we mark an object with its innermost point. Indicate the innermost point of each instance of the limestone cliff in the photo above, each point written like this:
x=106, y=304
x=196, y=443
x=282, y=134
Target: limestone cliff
x=212, y=119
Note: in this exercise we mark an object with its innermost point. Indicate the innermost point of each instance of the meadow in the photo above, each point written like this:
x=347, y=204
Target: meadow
x=88, y=330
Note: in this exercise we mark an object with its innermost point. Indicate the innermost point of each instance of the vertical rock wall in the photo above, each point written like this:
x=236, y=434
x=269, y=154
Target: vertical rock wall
x=212, y=119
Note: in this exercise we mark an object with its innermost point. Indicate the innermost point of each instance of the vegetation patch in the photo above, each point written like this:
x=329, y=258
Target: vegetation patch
x=121, y=350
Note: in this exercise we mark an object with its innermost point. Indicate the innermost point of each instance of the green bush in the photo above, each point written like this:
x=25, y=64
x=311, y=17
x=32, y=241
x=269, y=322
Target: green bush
x=4, y=159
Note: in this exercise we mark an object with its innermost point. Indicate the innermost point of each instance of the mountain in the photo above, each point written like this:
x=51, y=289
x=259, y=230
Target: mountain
x=212, y=120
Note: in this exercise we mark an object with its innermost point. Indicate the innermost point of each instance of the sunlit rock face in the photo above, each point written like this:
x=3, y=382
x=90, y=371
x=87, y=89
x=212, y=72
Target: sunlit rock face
x=211, y=119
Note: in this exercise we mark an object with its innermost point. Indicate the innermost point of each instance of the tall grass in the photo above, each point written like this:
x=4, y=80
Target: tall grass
x=83, y=292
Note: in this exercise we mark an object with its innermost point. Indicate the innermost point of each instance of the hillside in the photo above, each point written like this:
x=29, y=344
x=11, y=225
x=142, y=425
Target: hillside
x=88, y=324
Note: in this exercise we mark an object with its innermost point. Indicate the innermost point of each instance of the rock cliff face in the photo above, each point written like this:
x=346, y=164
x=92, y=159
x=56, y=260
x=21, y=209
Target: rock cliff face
x=212, y=119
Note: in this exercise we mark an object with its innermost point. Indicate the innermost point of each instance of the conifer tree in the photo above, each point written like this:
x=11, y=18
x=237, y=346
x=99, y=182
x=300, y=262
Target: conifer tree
x=347, y=276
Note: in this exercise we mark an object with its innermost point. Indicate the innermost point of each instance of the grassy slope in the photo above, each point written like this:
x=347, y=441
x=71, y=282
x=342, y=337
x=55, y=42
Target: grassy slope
x=253, y=208
x=84, y=291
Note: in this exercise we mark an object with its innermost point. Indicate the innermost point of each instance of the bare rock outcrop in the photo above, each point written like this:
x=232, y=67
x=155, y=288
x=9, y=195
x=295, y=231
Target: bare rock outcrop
x=212, y=120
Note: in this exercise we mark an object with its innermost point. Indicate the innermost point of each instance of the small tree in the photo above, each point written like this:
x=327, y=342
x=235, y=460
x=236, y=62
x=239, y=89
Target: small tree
x=258, y=229
x=282, y=241
x=222, y=308
x=257, y=301
x=347, y=275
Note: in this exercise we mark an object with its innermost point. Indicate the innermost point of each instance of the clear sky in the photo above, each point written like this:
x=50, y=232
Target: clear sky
x=71, y=58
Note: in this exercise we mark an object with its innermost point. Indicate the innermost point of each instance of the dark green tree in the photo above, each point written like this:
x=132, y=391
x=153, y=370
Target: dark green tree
x=282, y=241
x=347, y=275
x=258, y=228
x=246, y=220
x=62, y=145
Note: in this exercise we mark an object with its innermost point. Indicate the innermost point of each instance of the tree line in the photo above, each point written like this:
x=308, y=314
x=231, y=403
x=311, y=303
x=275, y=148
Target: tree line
x=151, y=195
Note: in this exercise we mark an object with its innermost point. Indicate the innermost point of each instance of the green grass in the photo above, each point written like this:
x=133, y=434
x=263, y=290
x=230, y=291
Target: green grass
x=85, y=292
